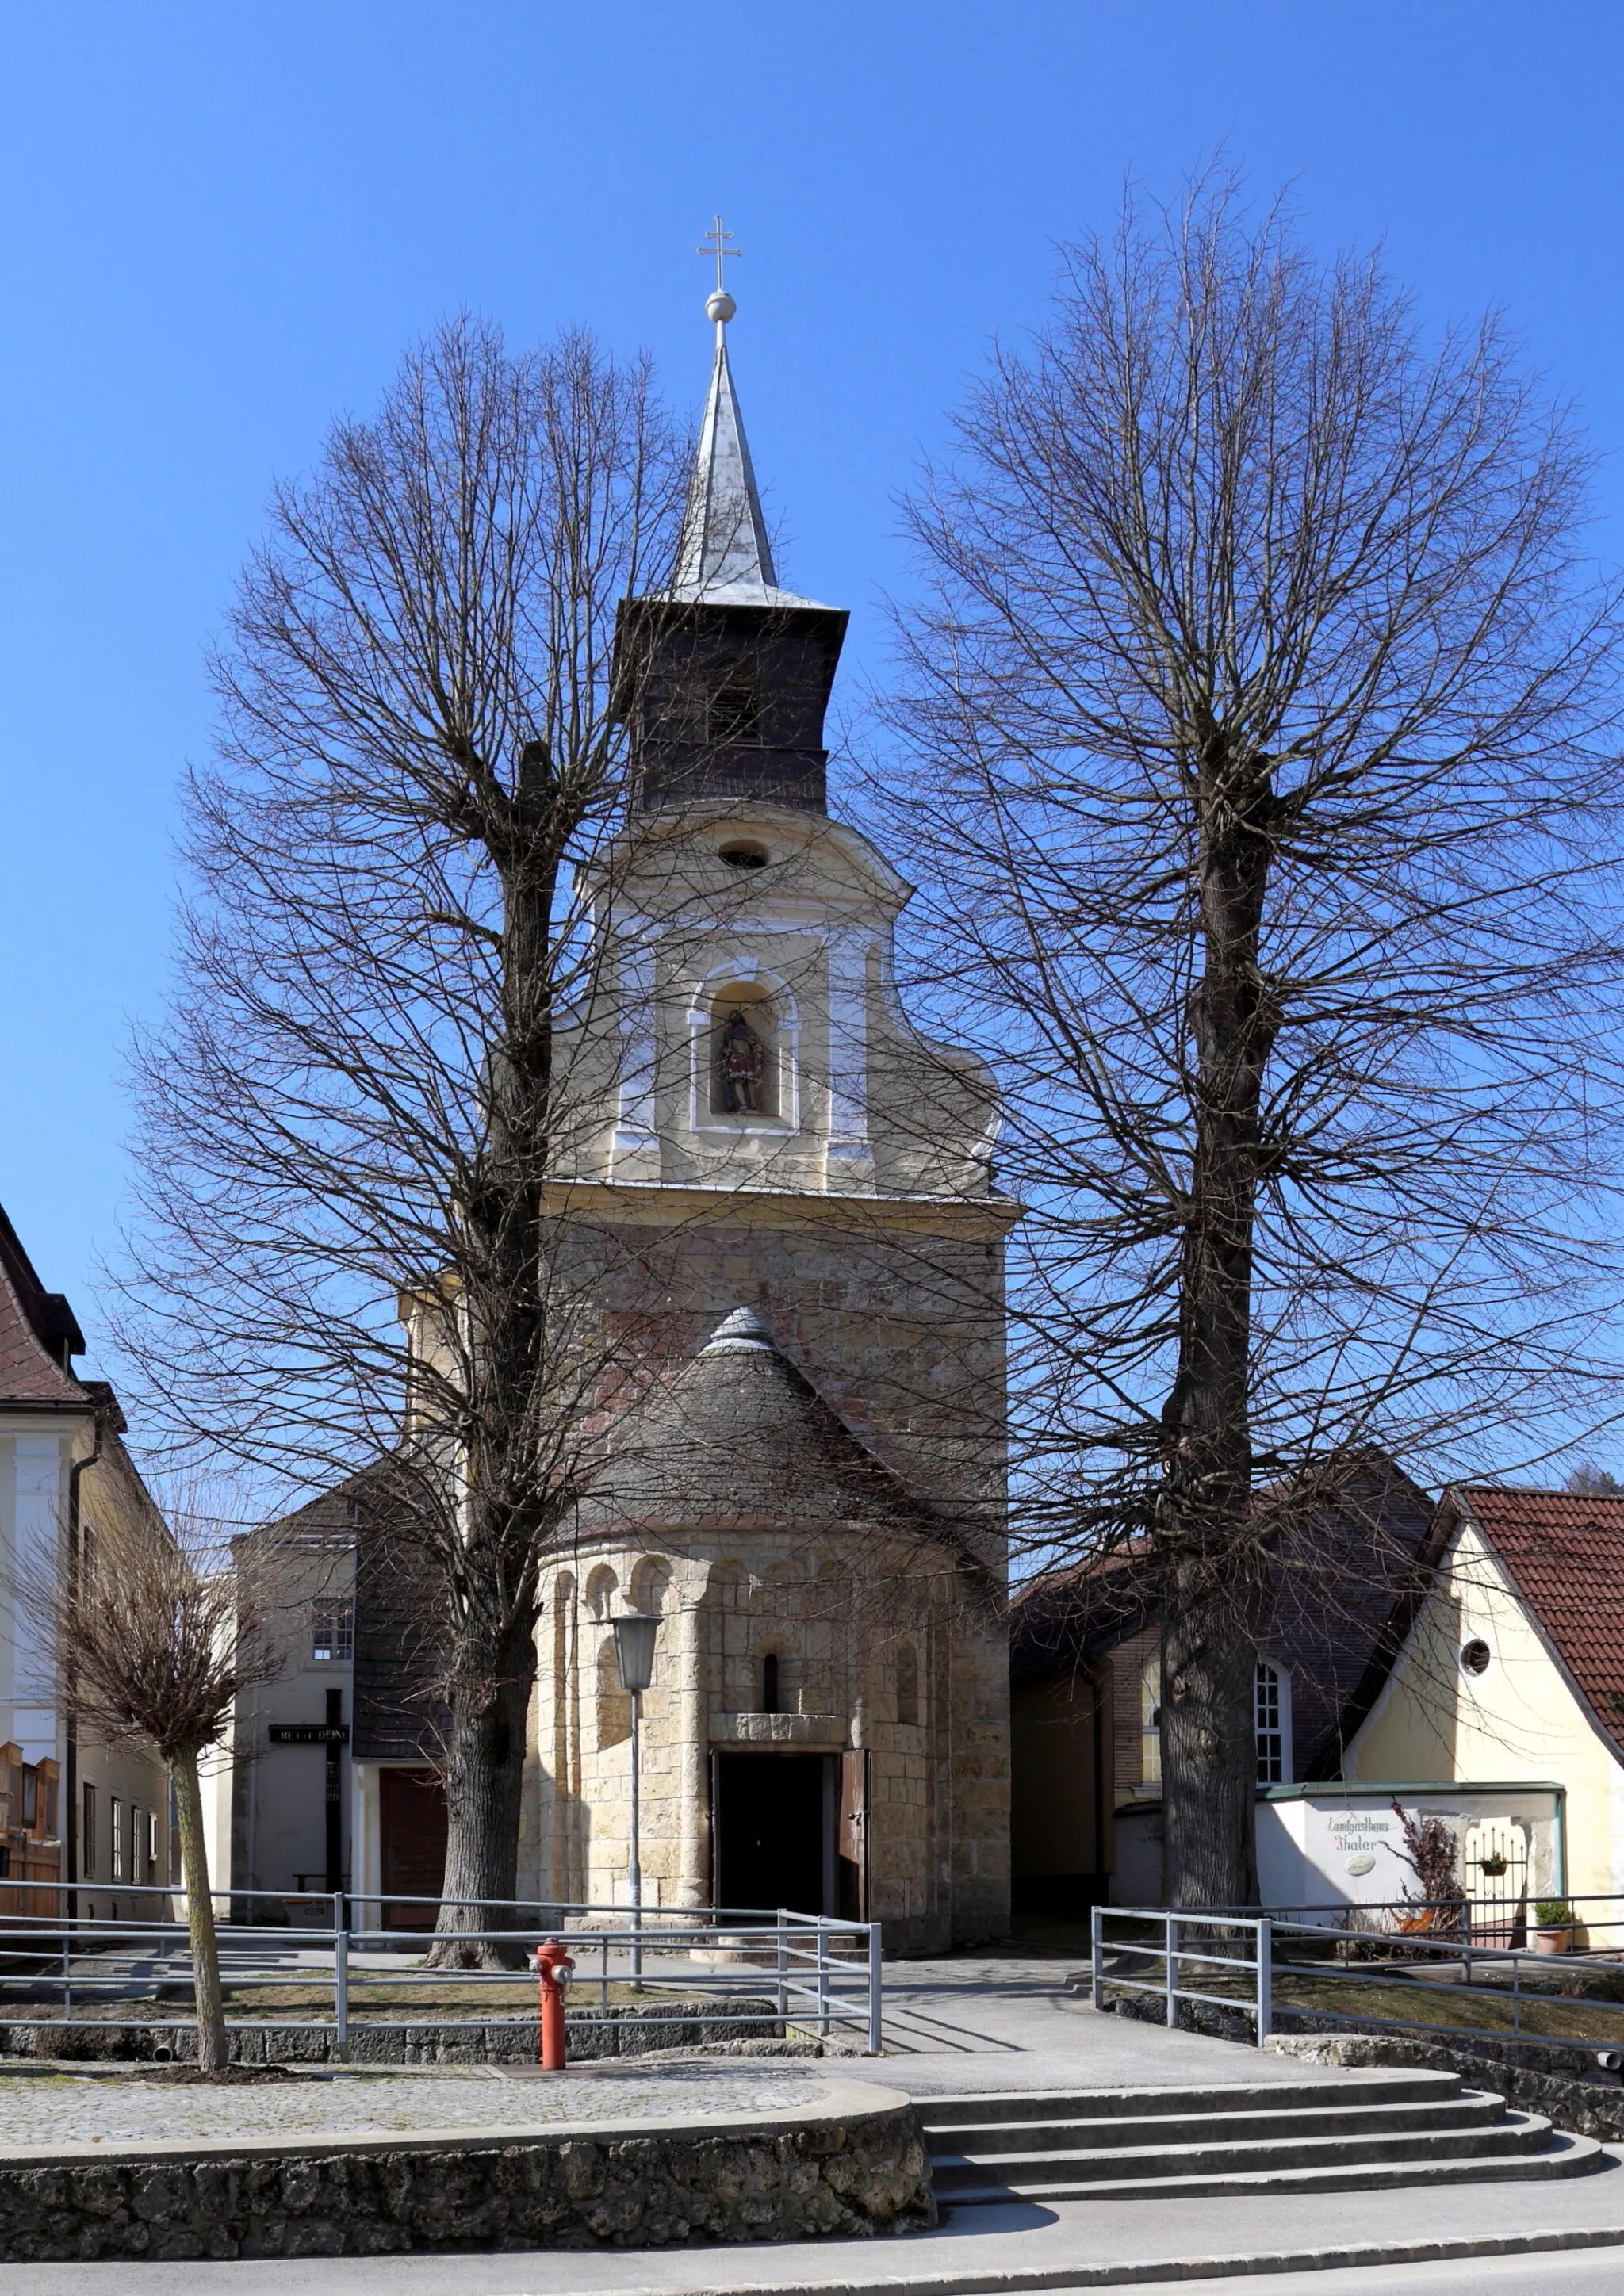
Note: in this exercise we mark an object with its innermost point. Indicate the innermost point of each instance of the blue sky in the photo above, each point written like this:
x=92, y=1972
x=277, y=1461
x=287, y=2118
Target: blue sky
x=223, y=224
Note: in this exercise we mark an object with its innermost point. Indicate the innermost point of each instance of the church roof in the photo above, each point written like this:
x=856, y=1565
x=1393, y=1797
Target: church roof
x=741, y=1436
x=724, y=557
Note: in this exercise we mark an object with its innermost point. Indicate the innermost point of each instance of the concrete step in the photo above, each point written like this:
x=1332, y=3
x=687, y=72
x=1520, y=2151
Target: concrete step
x=980, y=2139
x=1501, y=2137
x=1377, y=2086
x=1376, y=2129
x=1561, y=2156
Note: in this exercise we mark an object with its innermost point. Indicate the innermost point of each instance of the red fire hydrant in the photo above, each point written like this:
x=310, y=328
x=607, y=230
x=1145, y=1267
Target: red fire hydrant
x=551, y=1959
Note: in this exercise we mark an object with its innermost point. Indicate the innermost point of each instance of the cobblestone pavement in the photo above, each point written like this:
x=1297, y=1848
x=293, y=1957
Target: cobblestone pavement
x=67, y=2108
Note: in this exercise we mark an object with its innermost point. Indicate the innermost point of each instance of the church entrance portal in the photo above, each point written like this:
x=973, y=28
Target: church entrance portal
x=788, y=1830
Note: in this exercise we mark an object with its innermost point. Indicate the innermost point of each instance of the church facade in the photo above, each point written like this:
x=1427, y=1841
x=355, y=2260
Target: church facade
x=798, y=1184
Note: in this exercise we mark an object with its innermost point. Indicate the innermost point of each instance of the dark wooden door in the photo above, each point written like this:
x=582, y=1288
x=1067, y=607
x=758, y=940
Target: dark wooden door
x=851, y=1839
x=411, y=1844
x=769, y=1830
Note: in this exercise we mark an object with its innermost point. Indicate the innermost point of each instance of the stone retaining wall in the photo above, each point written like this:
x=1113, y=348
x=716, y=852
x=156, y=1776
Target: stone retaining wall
x=508, y=2040
x=1564, y=2084
x=795, y=2176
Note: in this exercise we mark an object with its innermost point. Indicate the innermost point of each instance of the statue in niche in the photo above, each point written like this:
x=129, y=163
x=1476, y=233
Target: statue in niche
x=743, y=1059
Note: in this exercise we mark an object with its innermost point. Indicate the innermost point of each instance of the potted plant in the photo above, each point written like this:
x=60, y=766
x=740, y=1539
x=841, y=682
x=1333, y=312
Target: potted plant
x=1553, y=1925
x=1492, y=1865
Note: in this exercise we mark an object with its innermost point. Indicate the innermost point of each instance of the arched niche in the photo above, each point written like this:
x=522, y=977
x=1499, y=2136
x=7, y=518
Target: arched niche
x=746, y=1062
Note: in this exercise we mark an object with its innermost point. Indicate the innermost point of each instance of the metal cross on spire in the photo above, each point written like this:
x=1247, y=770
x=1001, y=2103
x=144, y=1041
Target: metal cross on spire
x=718, y=243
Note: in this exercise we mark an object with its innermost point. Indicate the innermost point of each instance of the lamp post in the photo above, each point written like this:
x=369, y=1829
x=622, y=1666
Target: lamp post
x=635, y=1632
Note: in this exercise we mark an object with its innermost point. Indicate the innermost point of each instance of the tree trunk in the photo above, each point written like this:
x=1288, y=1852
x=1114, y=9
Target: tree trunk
x=213, y=2050
x=1214, y=1576
x=484, y=1781
x=494, y=1647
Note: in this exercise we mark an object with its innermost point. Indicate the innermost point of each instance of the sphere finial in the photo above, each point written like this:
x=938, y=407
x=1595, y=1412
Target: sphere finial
x=719, y=304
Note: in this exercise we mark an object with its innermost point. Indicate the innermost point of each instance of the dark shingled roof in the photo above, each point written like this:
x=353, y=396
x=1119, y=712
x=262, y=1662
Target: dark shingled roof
x=1351, y=1546
x=38, y=1333
x=742, y=1437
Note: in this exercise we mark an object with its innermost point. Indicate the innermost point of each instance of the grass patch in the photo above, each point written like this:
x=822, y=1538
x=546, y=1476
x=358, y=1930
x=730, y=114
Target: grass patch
x=1559, y=2015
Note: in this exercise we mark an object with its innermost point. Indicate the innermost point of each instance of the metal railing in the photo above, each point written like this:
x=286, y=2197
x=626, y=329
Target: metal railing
x=1240, y=1961
x=815, y=1973
x=1216, y=1934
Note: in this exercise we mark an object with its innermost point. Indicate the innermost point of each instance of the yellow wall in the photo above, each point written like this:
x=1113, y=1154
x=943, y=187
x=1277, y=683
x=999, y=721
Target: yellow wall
x=1519, y=1720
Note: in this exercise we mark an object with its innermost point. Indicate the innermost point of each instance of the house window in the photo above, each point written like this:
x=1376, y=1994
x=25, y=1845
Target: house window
x=30, y=1798
x=333, y=1629
x=1476, y=1655
x=115, y=1834
x=152, y=1845
x=1149, y=1724
x=88, y=1835
x=769, y=1683
x=1272, y=1707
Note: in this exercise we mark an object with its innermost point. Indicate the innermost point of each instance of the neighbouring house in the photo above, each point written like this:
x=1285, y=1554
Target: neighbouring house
x=1510, y=1684
x=1086, y=1686
x=73, y=1812
x=287, y=1790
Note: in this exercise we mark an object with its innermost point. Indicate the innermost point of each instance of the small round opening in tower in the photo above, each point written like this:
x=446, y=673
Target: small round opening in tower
x=744, y=856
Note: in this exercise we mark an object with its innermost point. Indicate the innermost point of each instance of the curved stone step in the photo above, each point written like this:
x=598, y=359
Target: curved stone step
x=1374, y=2086
x=1563, y=2156
x=978, y=2139
x=1506, y=2136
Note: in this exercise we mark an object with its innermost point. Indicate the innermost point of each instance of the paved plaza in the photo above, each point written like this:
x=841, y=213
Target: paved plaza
x=974, y=2021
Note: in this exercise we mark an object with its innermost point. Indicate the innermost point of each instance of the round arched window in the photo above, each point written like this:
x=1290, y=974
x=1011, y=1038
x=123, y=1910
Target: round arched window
x=1475, y=1656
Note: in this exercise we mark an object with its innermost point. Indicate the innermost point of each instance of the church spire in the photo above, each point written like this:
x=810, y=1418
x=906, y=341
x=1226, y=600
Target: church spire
x=724, y=553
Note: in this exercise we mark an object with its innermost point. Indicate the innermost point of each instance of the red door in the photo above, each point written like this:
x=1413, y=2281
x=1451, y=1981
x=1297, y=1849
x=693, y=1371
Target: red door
x=411, y=1844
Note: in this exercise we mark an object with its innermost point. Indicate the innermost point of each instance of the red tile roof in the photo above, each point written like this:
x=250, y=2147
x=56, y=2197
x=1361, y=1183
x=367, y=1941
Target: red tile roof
x=1564, y=1551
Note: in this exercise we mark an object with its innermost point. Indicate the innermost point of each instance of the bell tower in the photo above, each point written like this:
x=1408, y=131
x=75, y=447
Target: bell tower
x=726, y=676
x=790, y=1188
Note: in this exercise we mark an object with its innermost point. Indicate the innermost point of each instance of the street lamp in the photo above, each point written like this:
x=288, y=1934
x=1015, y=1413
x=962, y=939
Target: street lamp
x=635, y=1632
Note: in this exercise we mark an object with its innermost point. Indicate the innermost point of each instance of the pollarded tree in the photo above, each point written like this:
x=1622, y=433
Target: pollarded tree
x=1263, y=716
x=355, y=1106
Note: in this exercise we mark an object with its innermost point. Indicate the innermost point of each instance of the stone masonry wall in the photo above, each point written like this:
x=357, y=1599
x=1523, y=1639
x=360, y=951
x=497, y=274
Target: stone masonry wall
x=863, y=2175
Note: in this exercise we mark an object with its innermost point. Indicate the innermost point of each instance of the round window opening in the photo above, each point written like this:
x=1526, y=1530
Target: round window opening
x=1475, y=1655
x=744, y=857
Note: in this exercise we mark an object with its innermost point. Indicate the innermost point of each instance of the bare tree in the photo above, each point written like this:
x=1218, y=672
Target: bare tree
x=354, y=1111
x=159, y=1643
x=1263, y=716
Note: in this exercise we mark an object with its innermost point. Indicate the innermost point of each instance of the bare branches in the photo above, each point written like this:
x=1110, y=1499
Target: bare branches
x=1264, y=714
x=353, y=1110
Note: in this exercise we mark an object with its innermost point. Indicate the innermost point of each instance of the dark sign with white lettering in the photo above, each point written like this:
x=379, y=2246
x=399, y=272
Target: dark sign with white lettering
x=309, y=1733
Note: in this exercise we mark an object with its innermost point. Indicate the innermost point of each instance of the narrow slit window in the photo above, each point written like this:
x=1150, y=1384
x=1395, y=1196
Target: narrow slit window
x=908, y=1684
x=769, y=1683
